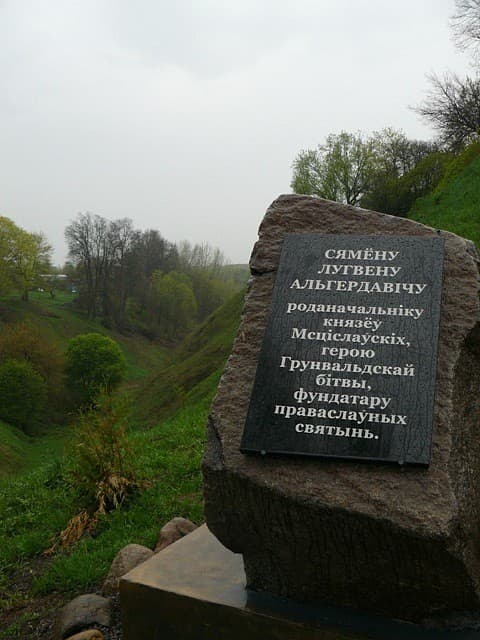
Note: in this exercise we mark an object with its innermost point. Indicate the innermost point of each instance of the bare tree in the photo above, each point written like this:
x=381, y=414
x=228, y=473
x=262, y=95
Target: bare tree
x=465, y=24
x=452, y=107
x=120, y=238
x=200, y=256
x=87, y=240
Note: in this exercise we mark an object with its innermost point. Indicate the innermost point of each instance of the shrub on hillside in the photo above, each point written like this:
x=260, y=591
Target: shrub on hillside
x=22, y=391
x=101, y=459
x=100, y=468
x=21, y=341
x=94, y=364
x=396, y=195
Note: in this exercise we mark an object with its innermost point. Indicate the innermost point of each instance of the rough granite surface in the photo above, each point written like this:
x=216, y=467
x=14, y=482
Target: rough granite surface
x=402, y=542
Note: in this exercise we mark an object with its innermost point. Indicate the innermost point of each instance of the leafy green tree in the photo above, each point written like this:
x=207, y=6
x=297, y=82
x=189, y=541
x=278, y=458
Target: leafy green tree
x=206, y=267
x=395, y=154
x=21, y=341
x=8, y=231
x=340, y=170
x=23, y=393
x=24, y=257
x=32, y=259
x=405, y=170
x=368, y=171
x=210, y=291
x=396, y=194
x=172, y=303
x=94, y=364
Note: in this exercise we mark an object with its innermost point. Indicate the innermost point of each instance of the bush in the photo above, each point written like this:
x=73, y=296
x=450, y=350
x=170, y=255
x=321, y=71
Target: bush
x=95, y=364
x=22, y=392
x=22, y=342
x=101, y=459
x=396, y=195
x=99, y=467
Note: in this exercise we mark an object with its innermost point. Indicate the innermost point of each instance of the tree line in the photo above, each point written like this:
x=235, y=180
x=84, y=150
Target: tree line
x=130, y=280
x=138, y=280
x=385, y=170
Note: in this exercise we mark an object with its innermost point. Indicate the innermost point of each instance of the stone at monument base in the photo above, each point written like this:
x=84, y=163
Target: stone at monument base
x=194, y=590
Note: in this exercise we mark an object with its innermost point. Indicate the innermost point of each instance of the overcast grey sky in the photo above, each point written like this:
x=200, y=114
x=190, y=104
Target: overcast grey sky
x=186, y=115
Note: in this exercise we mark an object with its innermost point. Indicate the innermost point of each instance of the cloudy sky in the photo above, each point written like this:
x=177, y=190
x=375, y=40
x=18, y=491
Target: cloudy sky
x=185, y=115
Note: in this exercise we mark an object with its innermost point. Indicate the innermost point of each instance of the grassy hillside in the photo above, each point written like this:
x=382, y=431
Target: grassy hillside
x=195, y=366
x=19, y=452
x=166, y=433
x=56, y=322
x=454, y=204
x=13, y=447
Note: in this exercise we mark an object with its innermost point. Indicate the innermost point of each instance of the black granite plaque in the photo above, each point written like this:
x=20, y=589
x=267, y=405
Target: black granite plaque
x=348, y=363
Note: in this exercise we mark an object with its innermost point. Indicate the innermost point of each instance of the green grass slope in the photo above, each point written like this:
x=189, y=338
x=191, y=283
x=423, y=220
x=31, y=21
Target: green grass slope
x=455, y=204
x=195, y=366
x=57, y=322
x=37, y=505
x=13, y=447
x=19, y=452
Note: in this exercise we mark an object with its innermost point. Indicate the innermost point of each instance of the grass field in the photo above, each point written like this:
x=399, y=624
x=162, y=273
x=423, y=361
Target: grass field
x=166, y=433
x=37, y=505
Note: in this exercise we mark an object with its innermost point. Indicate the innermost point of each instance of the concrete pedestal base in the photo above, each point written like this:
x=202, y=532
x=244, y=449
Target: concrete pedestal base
x=195, y=590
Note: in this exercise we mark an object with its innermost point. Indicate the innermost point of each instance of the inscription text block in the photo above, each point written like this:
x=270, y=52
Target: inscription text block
x=348, y=363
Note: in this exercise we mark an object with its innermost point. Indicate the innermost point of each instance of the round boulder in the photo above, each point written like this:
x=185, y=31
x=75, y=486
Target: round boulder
x=174, y=530
x=126, y=559
x=83, y=613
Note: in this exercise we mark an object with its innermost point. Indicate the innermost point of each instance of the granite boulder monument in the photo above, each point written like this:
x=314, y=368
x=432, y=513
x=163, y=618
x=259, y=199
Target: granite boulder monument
x=343, y=450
